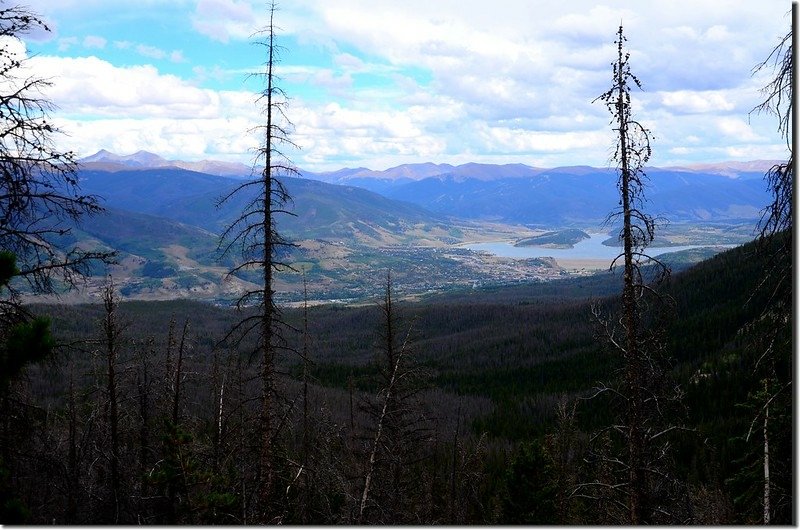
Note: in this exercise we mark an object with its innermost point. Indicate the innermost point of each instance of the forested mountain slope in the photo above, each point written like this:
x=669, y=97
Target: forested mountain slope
x=582, y=195
x=498, y=363
x=190, y=197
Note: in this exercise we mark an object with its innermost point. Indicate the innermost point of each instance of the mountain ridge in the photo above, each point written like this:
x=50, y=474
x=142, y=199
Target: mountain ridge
x=166, y=221
x=109, y=161
x=577, y=195
x=105, y=160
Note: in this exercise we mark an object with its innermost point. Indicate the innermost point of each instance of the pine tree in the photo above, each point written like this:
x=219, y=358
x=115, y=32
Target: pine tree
x=255, y=235
x=633, y=483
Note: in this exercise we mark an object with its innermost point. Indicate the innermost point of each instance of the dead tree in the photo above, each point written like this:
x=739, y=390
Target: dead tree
x=40, y=199
x=112, y=332
x=771, y=399
x=779, y=102
x=635, y=486
x=144, y=397
x=176, y=438
x=40, y=196
x=395, y=446
x=305, y=460
x=255, y=235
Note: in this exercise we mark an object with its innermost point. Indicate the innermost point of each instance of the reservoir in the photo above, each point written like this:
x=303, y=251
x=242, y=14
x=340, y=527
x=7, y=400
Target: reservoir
x=591, y=248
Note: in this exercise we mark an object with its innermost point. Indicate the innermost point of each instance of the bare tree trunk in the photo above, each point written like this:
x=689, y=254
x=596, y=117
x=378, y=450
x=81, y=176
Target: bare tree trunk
x=394, y=358
x=72, y=459
x=267, y=381
x=176, y=396
x=268, y=360
x=639, y=345
x=174, y=449
x=453, y=471
x=306, y=448
x=254, y=231
x=374, y=452
x=111, y=330
x=767, y=507
x=350, y=393
x=218, y=384
x=633, y=378
x=240, y=396
x=143, y=390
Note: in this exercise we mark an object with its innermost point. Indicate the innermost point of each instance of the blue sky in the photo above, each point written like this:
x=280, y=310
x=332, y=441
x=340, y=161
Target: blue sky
x=378, y=83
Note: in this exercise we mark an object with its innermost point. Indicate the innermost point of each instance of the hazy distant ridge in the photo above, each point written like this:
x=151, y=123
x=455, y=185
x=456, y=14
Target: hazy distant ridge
x=108, y=161
x=510, y=193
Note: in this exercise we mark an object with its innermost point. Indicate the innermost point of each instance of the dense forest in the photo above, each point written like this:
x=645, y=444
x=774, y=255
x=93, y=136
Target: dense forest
x=491, y=425
x=636, y=396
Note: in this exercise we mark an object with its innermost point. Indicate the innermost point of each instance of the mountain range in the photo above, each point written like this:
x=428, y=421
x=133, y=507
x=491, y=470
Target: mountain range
x=108, y=161
x=510, y=193
x=321, y=210
x=164, y=218
x=582, y=196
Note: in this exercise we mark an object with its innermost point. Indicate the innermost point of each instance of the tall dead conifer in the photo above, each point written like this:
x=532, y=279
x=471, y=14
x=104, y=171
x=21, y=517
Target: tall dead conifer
x=635, y=485
x=770, y=400
x=254, y=233
x=112, y=332
x=391, y=492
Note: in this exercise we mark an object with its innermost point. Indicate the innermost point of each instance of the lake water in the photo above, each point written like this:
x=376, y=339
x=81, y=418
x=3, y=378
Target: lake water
x=591, y=248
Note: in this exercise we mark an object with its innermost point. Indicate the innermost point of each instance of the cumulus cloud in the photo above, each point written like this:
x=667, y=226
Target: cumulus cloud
x=446, y=81
x=132, y=108
x=93, y=87
x=737, y=129
x=685, y=101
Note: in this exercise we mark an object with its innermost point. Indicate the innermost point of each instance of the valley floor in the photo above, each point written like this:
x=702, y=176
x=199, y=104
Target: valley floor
x=343, y=271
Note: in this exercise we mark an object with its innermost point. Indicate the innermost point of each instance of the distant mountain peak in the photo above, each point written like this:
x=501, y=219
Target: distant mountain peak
x=101, y=156
x=108, y=161
x=139, y=157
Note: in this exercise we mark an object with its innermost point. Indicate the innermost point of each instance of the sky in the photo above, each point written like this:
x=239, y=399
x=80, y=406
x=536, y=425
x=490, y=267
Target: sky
x=379, y=83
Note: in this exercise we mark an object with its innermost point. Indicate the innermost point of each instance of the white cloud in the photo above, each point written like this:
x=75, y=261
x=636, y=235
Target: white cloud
x=448, y=80
x=175, y=56
x=592, y=27
x=189, y=139
x=93, y=87
x=685, y=101
x=93, y=41
x=150, y=51
x=66, y=43
x=738, y=129
x=223, y=20
x=505, y=139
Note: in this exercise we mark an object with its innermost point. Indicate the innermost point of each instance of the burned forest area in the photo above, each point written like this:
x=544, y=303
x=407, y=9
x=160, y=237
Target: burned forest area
x=653, y=390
